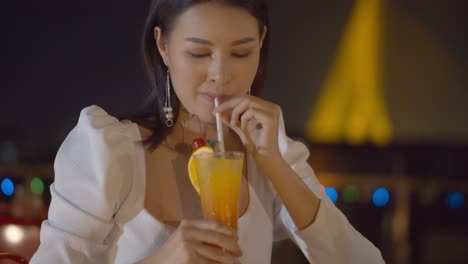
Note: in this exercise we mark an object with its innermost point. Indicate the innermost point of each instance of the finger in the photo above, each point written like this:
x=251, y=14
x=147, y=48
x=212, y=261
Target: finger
x=245, y=138
x=197, y=258
x=225, y=119
x=266, y=108
x=267, y=119
x=246, y=117
x=235, y=128
x=213, y=253
x=209, y=225
x=208, y=232
x=211, y=237
x=211, y=232
x=258, y=102
x=239, y=110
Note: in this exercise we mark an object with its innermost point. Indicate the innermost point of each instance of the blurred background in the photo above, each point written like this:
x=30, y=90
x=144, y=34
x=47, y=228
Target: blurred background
x=377, y=89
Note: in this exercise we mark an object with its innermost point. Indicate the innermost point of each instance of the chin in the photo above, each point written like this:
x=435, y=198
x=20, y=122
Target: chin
x=207, y=117
x=204, y=115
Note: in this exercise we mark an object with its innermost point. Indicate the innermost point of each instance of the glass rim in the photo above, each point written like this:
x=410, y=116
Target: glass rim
x=225, y=154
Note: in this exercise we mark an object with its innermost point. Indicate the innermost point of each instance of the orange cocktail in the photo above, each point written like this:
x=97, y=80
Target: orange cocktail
x=219, y=178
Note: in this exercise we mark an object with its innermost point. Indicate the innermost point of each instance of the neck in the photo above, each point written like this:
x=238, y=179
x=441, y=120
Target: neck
x=189, y=127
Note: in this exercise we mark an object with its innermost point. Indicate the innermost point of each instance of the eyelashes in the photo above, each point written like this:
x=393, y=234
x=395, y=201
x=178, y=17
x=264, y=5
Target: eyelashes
x=244, y=55
x=198, y=56
x=235, y=55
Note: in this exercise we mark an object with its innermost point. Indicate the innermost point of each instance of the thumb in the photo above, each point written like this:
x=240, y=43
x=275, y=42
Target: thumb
x=244, y=136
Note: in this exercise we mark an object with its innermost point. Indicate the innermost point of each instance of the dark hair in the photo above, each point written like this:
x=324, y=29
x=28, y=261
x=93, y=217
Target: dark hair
x=163, y=13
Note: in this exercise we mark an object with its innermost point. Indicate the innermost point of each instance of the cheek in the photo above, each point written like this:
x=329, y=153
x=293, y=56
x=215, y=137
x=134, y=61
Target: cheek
x=186, y=76
x=246, y=73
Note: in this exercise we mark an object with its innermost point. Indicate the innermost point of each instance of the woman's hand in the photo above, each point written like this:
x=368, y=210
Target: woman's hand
x=255, y=121
x=189, y=244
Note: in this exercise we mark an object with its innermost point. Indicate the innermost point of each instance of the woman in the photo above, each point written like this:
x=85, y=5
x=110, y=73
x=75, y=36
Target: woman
x=117, y=200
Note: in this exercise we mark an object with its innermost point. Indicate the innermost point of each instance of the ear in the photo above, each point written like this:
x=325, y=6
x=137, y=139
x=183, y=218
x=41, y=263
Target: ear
x=262, y=37
x=161, y=43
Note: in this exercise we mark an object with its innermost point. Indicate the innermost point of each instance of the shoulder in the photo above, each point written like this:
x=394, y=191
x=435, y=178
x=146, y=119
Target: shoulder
x=292, y=150
x=96, y=130
x=97, y=137
x=96, y=122
x=97, y=160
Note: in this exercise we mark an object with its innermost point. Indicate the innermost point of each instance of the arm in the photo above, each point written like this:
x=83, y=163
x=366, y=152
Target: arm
x=256, y=122
x=301, y=203
x=302, y=208
x=330, y=238
x=95, y=194
x=90, y=194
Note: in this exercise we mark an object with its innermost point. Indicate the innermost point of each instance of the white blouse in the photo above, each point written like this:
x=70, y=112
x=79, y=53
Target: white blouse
x=97, y=212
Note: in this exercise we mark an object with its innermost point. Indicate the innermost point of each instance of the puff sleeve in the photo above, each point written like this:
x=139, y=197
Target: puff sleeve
x=330, y=238
x=93, y=193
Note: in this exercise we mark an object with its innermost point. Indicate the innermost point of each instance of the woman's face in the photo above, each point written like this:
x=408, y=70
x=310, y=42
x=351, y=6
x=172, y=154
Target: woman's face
x=213, y=50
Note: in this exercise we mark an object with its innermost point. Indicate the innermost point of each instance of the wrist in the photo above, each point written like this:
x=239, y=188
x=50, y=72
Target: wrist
x=271, y=162
x=154, y=258
x=263, y=153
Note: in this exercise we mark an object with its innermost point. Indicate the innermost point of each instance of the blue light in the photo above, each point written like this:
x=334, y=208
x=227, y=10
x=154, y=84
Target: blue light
x=380, y=197
x=8, y=187
x=455, y=200
x=332, y=193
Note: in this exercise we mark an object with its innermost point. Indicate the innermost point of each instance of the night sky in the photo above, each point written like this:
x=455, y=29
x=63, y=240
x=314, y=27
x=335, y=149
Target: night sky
x=60, y=56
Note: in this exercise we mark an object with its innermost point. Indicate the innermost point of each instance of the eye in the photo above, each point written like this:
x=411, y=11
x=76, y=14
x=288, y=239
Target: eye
x=241, y=55
x=198, y=55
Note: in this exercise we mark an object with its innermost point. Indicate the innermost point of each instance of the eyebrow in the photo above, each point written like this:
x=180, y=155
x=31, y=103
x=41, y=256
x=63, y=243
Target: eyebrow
x=207, y=42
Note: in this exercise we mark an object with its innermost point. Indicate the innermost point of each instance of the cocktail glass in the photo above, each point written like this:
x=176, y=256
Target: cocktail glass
x=219, y=177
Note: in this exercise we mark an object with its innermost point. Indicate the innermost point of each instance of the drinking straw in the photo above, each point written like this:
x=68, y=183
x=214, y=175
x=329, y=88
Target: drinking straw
x=219, y=128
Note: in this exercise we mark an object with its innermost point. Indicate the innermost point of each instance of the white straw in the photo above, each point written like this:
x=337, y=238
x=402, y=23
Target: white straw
x=219, y=128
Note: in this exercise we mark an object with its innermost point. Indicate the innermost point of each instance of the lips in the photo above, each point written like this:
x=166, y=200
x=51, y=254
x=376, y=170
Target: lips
x=211, y=96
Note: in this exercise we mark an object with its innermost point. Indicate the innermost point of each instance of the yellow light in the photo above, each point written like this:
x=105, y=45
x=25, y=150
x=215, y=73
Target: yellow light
x=351, y=106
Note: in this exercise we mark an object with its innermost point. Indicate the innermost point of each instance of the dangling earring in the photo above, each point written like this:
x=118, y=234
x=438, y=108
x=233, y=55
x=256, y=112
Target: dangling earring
x=249, y=91
x=167, y=103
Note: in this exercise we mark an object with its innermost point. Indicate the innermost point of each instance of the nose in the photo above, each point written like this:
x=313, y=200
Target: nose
x=220, y=71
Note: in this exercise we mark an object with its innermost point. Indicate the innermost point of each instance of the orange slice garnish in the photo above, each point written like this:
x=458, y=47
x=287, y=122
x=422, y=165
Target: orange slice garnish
x=192, y=172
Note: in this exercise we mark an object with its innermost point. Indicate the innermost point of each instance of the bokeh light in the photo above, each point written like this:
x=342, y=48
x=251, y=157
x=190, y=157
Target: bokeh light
x=380, y=197
x=455, y=200
x=37, y=186
x=332, y=194
x=7, y=186
x=13, y=234
x=350, y=194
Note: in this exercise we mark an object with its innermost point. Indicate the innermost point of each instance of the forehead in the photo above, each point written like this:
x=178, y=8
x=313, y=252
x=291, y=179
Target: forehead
x=215, y=22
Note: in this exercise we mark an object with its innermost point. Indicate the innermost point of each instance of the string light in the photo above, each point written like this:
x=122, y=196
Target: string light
x=7, y=186
x=37, y=186
x=13, y=234
x=380, y=197
x=350, y=194
x=455, y=200
x=332, y=194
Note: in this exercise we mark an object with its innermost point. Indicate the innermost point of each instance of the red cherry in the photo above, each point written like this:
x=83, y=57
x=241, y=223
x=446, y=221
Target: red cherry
x=198, y=143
